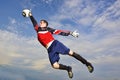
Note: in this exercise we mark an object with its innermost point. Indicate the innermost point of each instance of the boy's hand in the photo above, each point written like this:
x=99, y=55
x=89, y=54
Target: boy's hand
x=26, y=13
x=74, y=34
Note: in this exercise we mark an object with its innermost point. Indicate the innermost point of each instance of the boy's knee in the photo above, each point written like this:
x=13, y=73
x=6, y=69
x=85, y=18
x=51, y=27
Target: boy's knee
x=71, y=53
x=55, y=65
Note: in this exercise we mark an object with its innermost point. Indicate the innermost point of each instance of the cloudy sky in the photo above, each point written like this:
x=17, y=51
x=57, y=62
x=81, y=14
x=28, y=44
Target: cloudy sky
x=97, y=21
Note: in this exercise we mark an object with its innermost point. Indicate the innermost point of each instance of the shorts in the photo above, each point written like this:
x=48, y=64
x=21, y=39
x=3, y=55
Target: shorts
x=55, y=49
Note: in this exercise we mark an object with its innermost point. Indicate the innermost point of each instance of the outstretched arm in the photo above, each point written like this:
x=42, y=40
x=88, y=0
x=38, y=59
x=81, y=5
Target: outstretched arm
x=34, y=22
x=59, y=32
x=63, y=33
x=27, y=13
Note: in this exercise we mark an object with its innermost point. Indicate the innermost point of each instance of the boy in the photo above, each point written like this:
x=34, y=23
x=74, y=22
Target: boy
x=54, y=47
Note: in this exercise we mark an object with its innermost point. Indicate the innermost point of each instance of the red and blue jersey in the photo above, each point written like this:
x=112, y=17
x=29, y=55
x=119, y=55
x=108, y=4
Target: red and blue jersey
x=44, y=34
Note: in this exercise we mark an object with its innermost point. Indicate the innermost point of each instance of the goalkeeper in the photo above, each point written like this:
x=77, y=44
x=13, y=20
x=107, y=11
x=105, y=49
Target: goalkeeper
x=53, y=46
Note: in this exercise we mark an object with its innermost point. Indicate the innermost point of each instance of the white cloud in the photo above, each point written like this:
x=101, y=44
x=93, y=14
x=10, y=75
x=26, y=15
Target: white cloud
x=109, y=59
x=40, y=63
x=109, y=19
x=72, y=4
x=18, y=50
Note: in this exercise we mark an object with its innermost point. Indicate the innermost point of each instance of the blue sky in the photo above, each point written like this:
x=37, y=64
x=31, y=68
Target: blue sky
x=97, y=21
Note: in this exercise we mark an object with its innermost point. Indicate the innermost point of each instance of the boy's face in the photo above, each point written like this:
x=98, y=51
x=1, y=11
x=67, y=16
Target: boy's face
x=42, y=24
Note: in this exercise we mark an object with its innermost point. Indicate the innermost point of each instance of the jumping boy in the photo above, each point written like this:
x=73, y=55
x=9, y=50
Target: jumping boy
x=53, y=46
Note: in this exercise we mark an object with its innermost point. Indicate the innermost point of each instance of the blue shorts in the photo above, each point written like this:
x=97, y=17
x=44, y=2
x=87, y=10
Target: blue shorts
x=55, y=49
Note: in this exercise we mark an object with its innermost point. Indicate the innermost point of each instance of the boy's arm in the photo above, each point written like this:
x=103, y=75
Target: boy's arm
x=59, y=32
x=63, y=33
x=27, y=13
x=34, y=22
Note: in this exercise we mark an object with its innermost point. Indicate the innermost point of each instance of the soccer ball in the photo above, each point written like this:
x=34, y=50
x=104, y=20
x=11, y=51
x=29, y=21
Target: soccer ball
x=26, y=12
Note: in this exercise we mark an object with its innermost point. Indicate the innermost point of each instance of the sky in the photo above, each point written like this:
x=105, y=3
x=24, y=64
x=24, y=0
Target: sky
x=22, y=57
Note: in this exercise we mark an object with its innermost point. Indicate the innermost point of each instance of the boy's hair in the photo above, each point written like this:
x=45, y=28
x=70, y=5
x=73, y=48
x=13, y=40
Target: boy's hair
x=45, y=22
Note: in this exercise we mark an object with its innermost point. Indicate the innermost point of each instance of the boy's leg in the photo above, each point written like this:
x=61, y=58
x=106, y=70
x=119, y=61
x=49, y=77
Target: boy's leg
x=80, y=58
x=56, y=65
x=53, y=51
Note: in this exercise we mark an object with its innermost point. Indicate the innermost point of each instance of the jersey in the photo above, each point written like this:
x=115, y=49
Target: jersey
x=44, y=34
